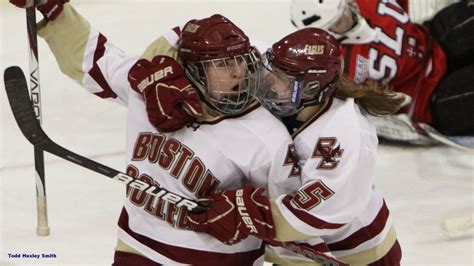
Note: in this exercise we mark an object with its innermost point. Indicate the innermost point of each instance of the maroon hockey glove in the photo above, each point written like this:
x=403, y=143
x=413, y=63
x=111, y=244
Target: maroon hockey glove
x=49, y=8
x=171, y=101
x=235, y=214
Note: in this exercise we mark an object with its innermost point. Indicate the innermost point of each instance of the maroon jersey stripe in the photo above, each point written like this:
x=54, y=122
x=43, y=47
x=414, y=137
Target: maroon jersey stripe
x=96, y=73
x=192, y=256
x=308, y=218
x=364, y=234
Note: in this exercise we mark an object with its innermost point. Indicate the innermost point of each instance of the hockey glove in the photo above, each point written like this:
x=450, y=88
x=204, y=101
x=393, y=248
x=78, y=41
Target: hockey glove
x=49, y=8
x=171, y=101
x=233, y=215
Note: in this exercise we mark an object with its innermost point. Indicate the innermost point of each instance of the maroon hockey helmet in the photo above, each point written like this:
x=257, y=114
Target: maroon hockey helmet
x=215, y=44
x=310, y=61
x=212, y=38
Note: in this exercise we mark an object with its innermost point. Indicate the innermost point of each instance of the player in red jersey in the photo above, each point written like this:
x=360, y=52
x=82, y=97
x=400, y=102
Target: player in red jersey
x=430, y=63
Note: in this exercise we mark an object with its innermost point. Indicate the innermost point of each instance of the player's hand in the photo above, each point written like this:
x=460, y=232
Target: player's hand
x=171, y=101
x=49, y=8
x=233, y=215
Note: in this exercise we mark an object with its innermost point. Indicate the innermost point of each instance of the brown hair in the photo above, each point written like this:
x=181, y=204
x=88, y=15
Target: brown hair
x=374, y=98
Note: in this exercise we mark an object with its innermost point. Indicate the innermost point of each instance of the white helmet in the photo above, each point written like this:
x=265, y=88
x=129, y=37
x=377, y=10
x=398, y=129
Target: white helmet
x=326, y=13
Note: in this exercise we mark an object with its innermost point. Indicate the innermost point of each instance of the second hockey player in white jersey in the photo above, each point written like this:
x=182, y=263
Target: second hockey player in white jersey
x=337, y=148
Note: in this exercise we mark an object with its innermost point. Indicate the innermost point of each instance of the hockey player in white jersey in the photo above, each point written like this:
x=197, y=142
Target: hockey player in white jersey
x=234, y=140
x=337, y=148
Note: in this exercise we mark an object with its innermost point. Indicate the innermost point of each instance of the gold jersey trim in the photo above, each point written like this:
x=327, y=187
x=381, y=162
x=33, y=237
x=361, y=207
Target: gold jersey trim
x=211, y=116
x=67, y=37
x=310, y=113
x=284, y=231
x=371, y=255
x=122, y=247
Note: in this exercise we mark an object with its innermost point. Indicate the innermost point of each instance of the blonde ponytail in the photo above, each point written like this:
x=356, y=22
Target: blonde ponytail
x=374, y=98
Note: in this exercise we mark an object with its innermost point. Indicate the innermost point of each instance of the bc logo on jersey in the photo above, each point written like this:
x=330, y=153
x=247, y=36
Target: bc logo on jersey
x=292, y=159
x=329, y=154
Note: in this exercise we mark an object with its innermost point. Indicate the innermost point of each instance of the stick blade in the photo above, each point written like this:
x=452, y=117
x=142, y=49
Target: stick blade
x=20, y=103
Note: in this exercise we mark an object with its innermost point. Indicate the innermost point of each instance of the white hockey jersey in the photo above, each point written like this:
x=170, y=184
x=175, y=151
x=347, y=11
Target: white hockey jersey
x=337, y=202
x=217, y=153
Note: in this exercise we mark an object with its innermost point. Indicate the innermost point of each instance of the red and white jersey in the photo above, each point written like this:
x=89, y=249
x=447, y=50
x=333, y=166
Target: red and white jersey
x=403, y=54
x=221, y=153
x=337, y=150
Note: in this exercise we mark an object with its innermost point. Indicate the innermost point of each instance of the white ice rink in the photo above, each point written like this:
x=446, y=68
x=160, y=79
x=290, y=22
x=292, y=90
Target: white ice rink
x=422, y=185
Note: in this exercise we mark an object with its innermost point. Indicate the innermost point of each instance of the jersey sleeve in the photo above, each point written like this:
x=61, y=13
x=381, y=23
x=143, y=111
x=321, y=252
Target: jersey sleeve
x=86, y=56
x=337, y=179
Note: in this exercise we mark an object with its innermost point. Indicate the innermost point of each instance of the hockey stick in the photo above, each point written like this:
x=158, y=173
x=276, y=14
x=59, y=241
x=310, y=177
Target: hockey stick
x=42, y=228
x=304, y=250
x=17, y=92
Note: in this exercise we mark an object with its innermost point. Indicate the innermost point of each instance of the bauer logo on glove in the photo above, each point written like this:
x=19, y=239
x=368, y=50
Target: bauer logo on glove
x=233, y=215
x=171, y=100
x=154, y=77
x=243, y=211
